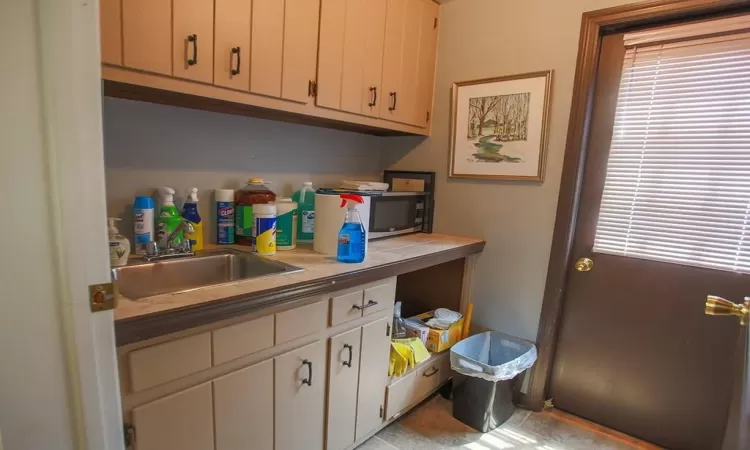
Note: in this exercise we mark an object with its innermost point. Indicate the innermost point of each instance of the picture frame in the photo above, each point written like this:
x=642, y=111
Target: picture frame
x=499, y=127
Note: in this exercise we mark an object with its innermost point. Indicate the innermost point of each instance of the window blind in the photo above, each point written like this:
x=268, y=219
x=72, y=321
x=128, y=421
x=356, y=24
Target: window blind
x=677, y=186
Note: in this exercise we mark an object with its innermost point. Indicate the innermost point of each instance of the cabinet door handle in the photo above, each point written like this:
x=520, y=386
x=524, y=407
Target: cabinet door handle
x=360, y=308
x=387, y=329
x=348, y=363
x=370, y=304
x=235, y=51
x=434, y=371
x=374, y=91
x=309, y=88
x=393, y=101
x=308, y=381
x=194, y=39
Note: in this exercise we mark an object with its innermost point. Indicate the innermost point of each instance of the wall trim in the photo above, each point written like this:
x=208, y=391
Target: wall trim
x=593, y=25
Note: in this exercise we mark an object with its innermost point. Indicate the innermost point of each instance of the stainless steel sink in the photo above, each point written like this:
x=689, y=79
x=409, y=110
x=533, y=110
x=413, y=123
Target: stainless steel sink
x=207, y=268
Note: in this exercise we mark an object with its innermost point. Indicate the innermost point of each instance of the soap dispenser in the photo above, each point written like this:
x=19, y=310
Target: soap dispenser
x=119, y=245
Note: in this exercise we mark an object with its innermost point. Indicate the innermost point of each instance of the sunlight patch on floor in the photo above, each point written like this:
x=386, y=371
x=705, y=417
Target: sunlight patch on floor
x=495, y=442
x=515, y=436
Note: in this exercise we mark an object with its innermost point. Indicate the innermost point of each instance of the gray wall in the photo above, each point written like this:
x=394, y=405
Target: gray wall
x=489, y=38
x=148, y=146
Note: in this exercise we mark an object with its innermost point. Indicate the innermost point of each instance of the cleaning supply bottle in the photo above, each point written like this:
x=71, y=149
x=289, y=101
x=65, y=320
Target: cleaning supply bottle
x=352, y=238
x=399, y=327
x=286, y=224
x=169, y=218
x=119, y=245
x=224, y=216
x=254, y=193
x=305, y=198
x=143, y=223
x=190, y=212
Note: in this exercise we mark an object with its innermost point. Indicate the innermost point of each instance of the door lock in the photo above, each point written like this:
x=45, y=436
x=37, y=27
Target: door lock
x=584, y=265
x=717, y=306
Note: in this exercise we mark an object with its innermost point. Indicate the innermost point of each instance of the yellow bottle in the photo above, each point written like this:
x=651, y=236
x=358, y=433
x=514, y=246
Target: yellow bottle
x=190, y=212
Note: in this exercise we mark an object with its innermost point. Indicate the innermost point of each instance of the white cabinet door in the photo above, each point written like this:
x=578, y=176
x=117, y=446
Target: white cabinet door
x=182, y=421
x=373, y=376
x=299, y=406
x=243, y=407
x=343, y=377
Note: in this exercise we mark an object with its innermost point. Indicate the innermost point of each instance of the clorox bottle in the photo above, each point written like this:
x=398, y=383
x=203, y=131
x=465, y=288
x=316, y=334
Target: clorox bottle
x=352, y=237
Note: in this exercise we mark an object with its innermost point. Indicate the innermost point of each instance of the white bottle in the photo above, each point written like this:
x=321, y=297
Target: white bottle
x=119, y=245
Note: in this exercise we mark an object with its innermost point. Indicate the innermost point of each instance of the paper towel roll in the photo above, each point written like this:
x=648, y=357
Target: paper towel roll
x=329, y=218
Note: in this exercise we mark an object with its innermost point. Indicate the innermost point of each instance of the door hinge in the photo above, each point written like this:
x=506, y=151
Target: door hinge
x=102, y=297
x=428, y=116
x=435, y=25
x=128, y=431
x=381, y=411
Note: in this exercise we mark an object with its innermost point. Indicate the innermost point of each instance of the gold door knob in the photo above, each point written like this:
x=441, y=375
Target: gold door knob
x=584, y=265
x=717, y=306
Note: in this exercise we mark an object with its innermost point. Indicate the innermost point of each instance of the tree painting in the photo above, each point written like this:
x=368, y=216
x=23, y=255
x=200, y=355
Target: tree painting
x=505, y=116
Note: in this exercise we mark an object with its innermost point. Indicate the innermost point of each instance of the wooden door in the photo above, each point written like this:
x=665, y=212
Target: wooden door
x=267, y=47
x=182, y=421
x=635, y=351
x=330, y=53
x=405, y=102
x=193, y=40
x=373, y=376
x=427, y=60
x=110, y=31
x=301, y=20
x=343, y=379
x=737, y=435
x=232, y=43
x=299, y=403
x=147, y=35
x=372, y=71
x=395, y=21
x=243, y=408
x=352, y=73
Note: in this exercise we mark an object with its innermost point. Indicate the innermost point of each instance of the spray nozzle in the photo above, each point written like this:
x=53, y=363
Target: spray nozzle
x=193, y=196
x=112, y=224
x=168, y=194
x=350, y=200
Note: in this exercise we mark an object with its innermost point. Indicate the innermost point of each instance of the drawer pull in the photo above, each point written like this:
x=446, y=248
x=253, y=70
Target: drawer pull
x=235, y=51
x=434, y=371
x=308, y=381
x=194, y=39
x=348, y=363
x=369, y=304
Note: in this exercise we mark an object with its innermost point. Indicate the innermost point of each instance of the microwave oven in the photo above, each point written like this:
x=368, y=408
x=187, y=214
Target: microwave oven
x=398, y=213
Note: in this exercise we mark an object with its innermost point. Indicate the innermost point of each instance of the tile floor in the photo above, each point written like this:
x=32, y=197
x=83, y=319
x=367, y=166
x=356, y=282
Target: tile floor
x=431, y=426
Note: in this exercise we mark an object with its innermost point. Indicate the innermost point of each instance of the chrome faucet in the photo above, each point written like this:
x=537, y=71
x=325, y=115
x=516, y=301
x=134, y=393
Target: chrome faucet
x=171, y=249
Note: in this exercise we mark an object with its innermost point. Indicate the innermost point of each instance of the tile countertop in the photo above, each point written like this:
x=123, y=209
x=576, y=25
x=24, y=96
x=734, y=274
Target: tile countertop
x=321, y=273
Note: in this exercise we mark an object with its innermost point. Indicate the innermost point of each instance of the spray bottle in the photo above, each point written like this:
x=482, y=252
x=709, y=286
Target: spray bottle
x=190, y=212
x=352, y=245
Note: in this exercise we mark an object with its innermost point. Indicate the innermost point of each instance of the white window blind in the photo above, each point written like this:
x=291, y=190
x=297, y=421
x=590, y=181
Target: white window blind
x=677, y=187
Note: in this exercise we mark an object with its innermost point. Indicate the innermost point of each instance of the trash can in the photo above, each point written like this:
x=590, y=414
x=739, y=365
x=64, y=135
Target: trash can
x=485, y=368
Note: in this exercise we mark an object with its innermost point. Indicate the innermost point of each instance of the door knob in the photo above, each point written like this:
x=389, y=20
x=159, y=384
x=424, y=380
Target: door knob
x=584, y=265
x=717, y=306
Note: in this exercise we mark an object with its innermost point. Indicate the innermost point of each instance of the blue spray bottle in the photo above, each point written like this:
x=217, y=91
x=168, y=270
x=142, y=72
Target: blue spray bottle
x=352, y=237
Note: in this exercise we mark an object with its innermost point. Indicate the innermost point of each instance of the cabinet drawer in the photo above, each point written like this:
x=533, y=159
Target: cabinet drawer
x=152, y=366
x=300, y=322
x=346, y=307
x=432, y=374
x=400, y=395
x=378, y=298
x=242, y=339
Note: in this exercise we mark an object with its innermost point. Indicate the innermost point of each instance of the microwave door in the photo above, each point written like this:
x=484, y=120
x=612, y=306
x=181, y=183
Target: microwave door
x=393, y=215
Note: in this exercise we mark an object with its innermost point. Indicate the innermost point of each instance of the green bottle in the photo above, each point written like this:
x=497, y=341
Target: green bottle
x=169, y=219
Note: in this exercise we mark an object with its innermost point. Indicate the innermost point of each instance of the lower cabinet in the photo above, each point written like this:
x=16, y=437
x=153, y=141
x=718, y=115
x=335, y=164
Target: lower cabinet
x=299, y=388
x=182, y=421
x=343, y=380
x=373, y=376
x=358, y=376
x=243, y=408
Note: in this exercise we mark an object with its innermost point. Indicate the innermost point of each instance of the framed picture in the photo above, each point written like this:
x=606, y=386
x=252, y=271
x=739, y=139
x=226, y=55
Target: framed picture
x=499, y=127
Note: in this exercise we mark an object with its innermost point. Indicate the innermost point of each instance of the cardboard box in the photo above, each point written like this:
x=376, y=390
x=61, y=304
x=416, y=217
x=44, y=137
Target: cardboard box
x=417, y=329
x=441, y=340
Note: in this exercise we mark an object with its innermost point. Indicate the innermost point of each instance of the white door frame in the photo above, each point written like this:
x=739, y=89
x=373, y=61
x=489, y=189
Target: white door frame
x=72, y=107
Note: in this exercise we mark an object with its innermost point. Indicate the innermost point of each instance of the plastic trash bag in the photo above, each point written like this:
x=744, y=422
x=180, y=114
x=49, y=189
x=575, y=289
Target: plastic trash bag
x=492, y=356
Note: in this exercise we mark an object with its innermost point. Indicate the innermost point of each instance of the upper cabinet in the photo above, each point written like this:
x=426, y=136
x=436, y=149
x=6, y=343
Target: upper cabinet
x=370, y=63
